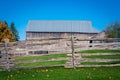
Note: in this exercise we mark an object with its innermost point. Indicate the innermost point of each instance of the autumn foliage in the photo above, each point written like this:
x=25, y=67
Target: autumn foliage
x=5, y=32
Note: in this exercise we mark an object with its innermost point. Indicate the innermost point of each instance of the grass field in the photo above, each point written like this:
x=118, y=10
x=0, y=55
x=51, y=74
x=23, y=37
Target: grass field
x=0, y=69
x=44, y=57
x=60, y=73
x=99, y=63
x=42, y=60
x=48, y=63
x=99, y=51
x=116, y=56
x=103, y=56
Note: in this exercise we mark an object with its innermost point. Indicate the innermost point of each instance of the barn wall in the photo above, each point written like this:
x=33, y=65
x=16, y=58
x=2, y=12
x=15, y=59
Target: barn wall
x=101, y=35
x=43, y=35
x=55, y=41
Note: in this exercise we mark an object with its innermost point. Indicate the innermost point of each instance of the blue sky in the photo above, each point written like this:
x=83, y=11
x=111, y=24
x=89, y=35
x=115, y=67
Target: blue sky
x=100, y=12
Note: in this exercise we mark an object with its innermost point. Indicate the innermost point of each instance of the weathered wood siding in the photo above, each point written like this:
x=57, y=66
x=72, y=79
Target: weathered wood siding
x=42, y=35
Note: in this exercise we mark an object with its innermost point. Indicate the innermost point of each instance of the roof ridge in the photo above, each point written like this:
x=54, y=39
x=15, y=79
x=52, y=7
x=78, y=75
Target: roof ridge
x=61, y=20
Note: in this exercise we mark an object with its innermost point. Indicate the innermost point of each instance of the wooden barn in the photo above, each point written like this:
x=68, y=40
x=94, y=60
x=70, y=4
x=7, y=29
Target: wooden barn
x=53, y=36
x=41, y=29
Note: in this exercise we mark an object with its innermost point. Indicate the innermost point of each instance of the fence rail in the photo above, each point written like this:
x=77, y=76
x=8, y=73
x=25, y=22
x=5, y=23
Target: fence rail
x=23, y=49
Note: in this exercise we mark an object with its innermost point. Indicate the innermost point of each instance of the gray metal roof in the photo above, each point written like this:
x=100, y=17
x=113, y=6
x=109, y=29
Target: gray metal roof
x=60, y=26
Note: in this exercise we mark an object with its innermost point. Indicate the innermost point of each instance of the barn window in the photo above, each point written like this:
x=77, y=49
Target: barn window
x=90, y=45
x=40, y=52
x=91, y=41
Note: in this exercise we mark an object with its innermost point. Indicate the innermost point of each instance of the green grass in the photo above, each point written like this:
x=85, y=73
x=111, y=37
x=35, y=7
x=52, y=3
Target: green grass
x=103, y=56
x=48, y=63
x=44, y=57
x=99, y=51
x=60, y=73
x=0, y=69
x=100, y=63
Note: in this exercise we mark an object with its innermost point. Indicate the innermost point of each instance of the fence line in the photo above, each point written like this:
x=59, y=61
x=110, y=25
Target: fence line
x=28, y=48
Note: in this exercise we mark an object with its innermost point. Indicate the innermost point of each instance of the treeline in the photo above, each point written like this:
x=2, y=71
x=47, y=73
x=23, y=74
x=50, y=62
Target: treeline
x=7, y=32
x=10, y=32
x=113, y=30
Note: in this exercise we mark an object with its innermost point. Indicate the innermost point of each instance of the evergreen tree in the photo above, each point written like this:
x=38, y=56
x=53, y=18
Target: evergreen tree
x=6, y=23
x=14, y=31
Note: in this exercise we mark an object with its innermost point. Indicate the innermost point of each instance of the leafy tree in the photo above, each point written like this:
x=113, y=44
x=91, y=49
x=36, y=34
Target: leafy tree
x=14, y=31
x=113, y=30
x=5, y=32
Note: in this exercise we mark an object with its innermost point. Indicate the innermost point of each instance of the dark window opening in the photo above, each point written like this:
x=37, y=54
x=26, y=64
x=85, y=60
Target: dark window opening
x=91, y=41
x=41, y=52
x=90, y=45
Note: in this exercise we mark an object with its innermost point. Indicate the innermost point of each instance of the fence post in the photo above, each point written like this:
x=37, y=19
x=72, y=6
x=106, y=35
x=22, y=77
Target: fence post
x=7, y=65
x=72, y=47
